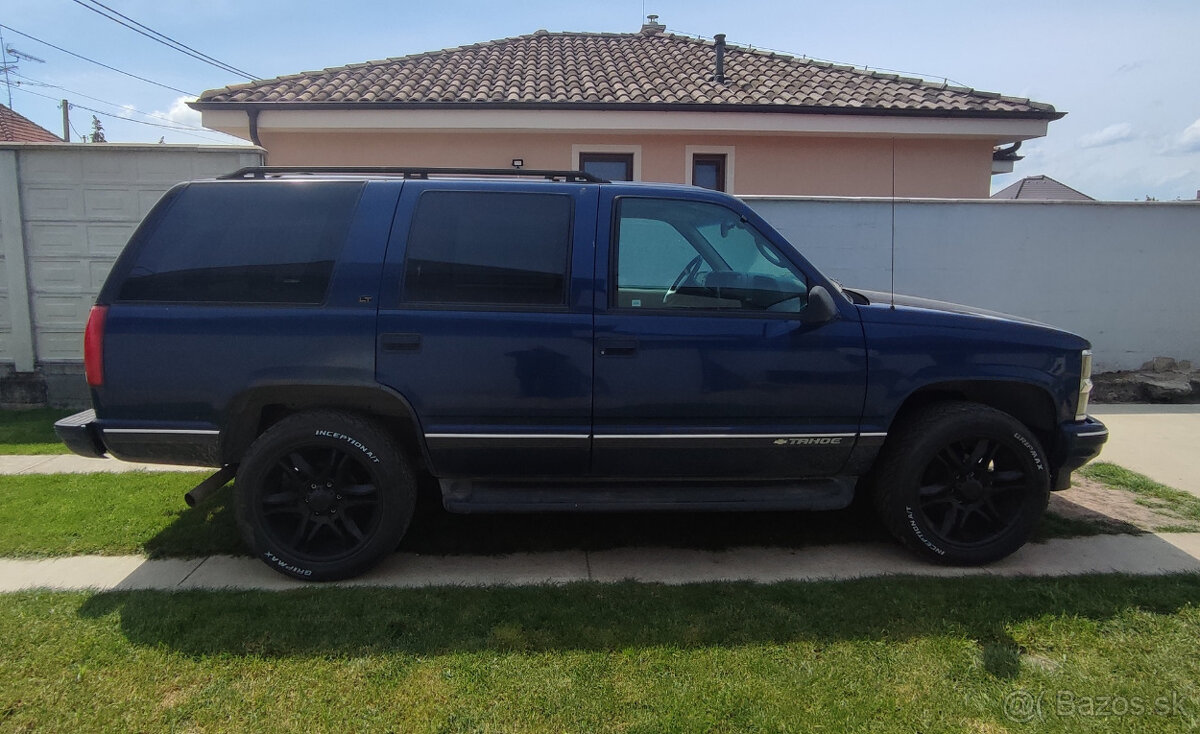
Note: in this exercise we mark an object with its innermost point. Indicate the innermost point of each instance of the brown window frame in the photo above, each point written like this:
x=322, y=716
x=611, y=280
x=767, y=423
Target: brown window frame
x=722, y=161
x=626, y=158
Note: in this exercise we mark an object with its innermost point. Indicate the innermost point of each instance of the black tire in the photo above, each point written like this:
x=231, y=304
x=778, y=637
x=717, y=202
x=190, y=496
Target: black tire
x=324, y=495
x=961, y=483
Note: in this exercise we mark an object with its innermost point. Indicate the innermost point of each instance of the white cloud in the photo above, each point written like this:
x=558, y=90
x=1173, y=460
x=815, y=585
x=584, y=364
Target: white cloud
x=1111, y=135
x=1189, y=139
x=182, y=114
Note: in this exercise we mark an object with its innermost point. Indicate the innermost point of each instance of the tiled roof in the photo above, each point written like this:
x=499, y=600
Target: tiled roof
x=1041, y=187
x=16, y=128
x=622, y=70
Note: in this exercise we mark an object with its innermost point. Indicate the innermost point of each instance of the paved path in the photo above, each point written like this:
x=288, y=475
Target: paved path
x=1160, y=441
x=72, y=464
x=1134, y=554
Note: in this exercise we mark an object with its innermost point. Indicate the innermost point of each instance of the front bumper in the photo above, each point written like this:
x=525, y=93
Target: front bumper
x=1078, y=443
x=80, y=434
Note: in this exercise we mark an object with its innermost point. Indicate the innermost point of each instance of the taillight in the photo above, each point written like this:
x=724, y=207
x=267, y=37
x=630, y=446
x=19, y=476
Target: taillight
x=93, y=346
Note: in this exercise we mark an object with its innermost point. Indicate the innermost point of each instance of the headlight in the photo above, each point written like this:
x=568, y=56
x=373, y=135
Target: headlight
x=1085, y=386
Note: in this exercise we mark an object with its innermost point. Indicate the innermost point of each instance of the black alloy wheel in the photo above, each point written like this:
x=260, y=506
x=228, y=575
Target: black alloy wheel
x=325, y=503
x=973, y=491
x=324, y=495
x=961, y=483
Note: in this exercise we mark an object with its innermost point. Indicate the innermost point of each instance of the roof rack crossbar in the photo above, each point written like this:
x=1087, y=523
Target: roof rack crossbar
x=251, y=172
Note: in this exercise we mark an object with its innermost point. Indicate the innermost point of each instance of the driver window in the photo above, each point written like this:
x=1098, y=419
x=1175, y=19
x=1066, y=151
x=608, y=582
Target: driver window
x=694, y=255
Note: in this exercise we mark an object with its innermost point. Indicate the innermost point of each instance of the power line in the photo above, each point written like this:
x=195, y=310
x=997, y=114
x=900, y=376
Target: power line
x=180, y=130
x=98, y=63
x=158, y=37
x=179, y=44
x=74, y=93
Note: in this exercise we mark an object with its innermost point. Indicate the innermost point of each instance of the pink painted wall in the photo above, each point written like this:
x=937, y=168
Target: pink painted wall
x=800, y=165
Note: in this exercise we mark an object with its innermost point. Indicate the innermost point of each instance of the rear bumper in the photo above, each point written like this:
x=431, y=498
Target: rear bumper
x=1078, y=443
x=150, y=444
x=80, y=434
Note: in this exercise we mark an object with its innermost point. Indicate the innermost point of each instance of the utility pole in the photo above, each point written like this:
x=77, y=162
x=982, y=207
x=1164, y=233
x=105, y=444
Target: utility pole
x=6, y=67
x=66, y=108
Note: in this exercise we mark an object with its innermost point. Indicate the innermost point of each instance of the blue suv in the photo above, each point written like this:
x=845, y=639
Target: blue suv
x=548, y=341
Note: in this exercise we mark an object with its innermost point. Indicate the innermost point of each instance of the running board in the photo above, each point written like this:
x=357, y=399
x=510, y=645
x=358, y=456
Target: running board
x=469, y=496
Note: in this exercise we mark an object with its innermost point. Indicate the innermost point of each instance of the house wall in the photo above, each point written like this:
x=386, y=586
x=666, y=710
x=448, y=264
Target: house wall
x=1121, y=275
x=66, y=211
x=762, y=164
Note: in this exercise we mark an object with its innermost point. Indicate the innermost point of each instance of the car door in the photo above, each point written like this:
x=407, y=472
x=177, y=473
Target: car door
x=485, y=324
x=705, y=366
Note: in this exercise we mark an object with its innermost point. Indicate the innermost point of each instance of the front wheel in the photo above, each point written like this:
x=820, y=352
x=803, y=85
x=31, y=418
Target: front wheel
x=324, y=495
x=962, y=483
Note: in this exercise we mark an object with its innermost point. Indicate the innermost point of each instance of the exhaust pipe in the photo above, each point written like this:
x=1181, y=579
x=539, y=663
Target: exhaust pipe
x=202, y=490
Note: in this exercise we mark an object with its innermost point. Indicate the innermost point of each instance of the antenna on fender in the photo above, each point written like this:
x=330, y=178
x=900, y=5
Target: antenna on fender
x=892, y=292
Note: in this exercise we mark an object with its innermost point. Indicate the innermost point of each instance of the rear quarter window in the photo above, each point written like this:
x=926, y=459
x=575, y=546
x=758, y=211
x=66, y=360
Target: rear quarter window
x=257, y=242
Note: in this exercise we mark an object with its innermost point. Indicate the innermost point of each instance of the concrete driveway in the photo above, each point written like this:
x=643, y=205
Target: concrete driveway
x=1160, y=441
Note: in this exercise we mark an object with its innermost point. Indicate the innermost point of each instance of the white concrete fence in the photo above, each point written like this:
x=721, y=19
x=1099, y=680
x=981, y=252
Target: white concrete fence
x=1122, y=275
x=1125, y=276
x=66, y=210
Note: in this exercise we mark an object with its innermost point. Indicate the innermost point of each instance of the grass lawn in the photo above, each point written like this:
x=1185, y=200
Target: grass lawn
x=1160, y=497
x=31, y=431
x=930, y=655
x=135, y=512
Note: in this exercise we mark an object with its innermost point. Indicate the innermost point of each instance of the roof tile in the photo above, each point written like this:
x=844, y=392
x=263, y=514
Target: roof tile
x=16, y=128
x=621, y=69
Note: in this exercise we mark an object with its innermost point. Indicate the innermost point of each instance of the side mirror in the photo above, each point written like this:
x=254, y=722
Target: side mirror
x=820, y=309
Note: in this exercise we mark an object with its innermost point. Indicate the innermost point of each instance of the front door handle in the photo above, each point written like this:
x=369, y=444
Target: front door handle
x=617, y=346
x=401, y=342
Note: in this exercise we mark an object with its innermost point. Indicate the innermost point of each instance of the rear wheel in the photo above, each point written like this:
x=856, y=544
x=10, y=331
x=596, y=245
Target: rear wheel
x=324, y=495
x=962, y=483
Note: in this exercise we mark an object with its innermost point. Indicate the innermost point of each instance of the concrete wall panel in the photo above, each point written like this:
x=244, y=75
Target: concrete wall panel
x=1122, y=275
x=78, y=206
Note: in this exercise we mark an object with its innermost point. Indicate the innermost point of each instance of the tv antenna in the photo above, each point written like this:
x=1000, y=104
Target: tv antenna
x=12, y=65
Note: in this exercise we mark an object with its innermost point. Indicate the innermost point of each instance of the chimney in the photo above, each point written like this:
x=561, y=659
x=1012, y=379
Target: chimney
x=719, y=77
x=652, y=27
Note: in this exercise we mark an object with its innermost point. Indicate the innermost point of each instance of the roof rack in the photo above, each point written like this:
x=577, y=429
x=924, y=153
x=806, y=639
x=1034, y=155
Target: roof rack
x=252, y=172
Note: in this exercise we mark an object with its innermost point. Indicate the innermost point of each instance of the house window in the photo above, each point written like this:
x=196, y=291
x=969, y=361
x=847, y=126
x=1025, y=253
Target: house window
x=611, y=166
x=708, y=171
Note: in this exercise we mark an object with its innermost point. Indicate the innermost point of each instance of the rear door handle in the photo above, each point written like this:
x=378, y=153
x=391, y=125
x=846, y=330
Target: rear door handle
x=401, y=342
x=617, y=346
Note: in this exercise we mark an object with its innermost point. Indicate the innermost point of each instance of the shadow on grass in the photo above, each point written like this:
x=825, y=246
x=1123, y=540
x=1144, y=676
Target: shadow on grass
x=348, y=622
x=1067, y=519
x=200, y=531
x=436, y=531
x=211, y=528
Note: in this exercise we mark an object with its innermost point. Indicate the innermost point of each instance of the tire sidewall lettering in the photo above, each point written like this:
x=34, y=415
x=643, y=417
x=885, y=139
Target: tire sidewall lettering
x=282, y=565
x=1033, y=452
x=919, y=534
x=338, y=436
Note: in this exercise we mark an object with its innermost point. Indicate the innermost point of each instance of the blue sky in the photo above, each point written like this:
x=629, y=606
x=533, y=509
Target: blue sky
x=1127, y=73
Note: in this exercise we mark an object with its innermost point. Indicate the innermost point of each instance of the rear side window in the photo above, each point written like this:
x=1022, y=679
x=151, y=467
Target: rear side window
x=272, y=242
x=475, y=247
